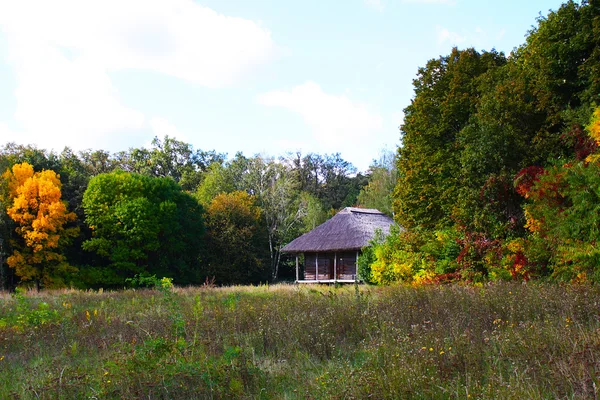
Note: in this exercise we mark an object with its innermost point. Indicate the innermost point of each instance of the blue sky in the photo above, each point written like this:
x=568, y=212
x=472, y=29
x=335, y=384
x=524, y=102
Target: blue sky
x=260, y=76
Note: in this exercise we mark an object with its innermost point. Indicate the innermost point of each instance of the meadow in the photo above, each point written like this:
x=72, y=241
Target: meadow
x=534, y=341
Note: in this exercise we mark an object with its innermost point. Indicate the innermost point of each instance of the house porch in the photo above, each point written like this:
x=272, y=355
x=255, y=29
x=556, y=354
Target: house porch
x=328, y=267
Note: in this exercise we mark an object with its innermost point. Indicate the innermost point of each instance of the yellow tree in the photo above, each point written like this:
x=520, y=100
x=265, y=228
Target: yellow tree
x=34, y=203
x=594, y=132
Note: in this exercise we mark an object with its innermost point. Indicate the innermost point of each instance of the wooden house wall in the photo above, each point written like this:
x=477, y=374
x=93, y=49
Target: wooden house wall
x=346, y=265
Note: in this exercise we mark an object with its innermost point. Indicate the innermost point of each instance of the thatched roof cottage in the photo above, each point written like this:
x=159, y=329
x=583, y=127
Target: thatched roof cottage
x=331, y=250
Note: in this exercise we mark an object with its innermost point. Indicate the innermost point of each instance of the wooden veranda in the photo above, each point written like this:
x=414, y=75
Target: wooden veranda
x=329, y=267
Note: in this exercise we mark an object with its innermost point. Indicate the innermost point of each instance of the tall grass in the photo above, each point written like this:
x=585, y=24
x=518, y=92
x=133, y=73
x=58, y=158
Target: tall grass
x=501, y=341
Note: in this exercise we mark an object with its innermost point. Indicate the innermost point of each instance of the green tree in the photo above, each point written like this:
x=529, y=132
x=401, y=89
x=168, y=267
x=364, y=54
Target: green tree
x=98, y=162
x=217, y=180
x=276, y=191
x=382, y=181
x=331, y=179
x=285, y=209
x=142, y=224
x=446, y=96
x=560, y=59
x=39, y=159
x=477, y=119
x=171, y=158
x=311, y=213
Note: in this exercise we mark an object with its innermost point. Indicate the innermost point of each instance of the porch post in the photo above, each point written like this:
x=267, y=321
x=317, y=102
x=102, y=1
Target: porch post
x=317, y=267
x=297, y=270
x=356, y=268
x=335, y=266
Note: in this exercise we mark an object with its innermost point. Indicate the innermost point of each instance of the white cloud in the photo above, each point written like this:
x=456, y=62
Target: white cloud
x=478, y=37
x=161, y=127
x=379, y=4
x=338, y=123
x=448, y=2
x=176, y=37
x=375, y=4
x=62, y=52
x=6, y=134
x=446, y=36
x=68, y=102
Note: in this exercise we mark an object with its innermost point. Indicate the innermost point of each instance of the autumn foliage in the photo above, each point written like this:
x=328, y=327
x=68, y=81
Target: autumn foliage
x=234, y=238
x=594, y=131
x=499, y=168
x=41, y=216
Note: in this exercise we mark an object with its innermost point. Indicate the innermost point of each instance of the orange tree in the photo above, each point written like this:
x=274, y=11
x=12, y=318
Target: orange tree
x=33, y=202
x=235, y=237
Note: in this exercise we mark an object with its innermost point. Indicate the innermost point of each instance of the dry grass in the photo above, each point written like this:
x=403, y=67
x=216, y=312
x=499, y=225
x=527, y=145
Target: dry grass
x=501, y=341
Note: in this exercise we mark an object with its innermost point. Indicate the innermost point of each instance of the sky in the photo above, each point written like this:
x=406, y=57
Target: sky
x=256, y=76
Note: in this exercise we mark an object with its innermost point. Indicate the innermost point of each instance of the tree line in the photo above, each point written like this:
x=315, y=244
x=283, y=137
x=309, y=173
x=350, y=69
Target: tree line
x=497, y=176
x=498, y=169
x=95, y=219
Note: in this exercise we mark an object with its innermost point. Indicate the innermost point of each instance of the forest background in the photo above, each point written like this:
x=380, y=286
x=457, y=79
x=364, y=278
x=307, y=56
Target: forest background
x=496, y=177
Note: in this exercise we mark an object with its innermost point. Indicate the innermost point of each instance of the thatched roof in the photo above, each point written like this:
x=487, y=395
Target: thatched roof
x=350, y=229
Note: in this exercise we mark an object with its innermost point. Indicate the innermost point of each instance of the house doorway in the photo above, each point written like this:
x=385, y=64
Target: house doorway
x=326, y=270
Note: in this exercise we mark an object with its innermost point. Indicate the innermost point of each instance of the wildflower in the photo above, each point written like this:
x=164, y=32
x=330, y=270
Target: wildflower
x=87, y=315
x=431, y=349
x=441, y=352
x=95, y=313
x=1, y=358
x=166, y=283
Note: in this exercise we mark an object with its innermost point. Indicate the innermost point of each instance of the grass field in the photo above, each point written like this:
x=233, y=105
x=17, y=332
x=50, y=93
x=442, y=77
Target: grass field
x=500, y=341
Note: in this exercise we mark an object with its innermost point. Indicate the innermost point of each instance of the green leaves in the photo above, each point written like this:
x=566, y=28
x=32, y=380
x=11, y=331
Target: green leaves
x=476, y=120
x=235, y=239
x=382, y=180
x=564, y=211
x=143, y=224
x=446, y=96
